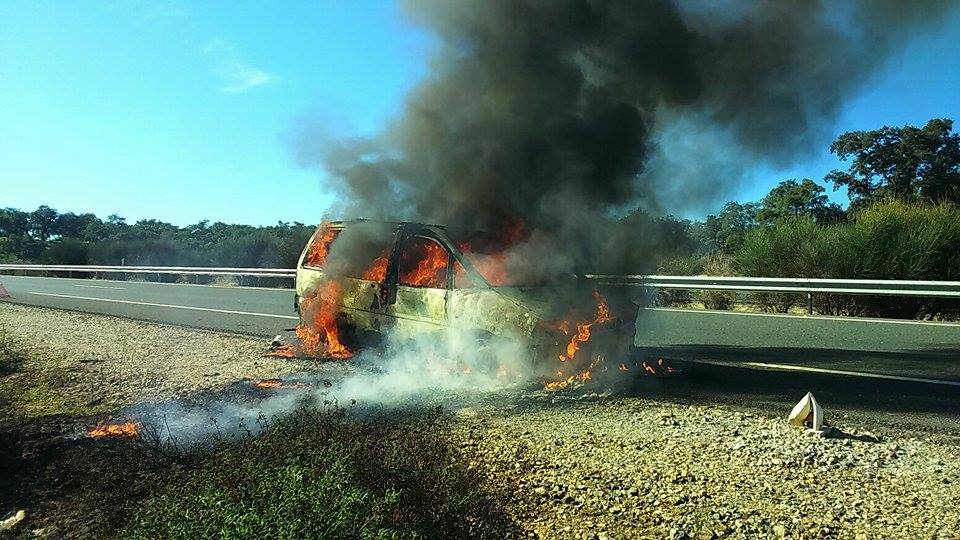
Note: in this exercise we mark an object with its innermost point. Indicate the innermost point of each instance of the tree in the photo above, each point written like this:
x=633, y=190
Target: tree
x=726, y=231
x=904, y=162
x=70, y=225
x=14, y=222
x=43, y=222
x=793, y=199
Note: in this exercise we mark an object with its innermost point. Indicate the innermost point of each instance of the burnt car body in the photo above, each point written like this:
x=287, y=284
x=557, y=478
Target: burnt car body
x=455, y=295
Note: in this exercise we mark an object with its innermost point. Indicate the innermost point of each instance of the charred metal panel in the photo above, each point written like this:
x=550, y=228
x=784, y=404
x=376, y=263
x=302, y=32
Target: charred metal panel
x=418, y=309
x=485, y=309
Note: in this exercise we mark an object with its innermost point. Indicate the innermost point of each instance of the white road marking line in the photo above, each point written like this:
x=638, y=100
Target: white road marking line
x=232, y=312
x=805, y=317
x=788, y=367
x=100, y=287
x=244, y=287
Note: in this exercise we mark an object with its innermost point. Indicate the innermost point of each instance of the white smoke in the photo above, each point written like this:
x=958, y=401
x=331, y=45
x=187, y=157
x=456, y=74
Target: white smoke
x=444, y=368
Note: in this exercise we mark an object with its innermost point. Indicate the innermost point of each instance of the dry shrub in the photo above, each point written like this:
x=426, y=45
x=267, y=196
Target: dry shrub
x=717, y=264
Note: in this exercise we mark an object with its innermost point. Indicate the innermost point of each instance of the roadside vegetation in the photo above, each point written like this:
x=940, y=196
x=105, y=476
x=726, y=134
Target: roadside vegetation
x=316, y=473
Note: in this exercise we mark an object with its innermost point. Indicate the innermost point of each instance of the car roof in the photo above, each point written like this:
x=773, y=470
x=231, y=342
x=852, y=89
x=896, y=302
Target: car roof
x=397, y=223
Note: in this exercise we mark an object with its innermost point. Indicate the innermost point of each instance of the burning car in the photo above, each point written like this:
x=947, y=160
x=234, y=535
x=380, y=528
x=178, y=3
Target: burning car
x=360, y=279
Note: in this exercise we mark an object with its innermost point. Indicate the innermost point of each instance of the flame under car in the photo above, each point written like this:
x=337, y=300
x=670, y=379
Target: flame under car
x=357, y=280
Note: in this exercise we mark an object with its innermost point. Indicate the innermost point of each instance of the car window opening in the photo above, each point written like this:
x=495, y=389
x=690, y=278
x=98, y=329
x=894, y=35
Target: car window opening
x=423, y=263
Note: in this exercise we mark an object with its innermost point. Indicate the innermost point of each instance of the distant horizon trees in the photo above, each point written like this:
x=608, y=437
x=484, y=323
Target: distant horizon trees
x=48, y=236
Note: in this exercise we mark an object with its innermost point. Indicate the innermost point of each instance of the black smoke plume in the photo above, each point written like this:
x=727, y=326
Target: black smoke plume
x=548, y=110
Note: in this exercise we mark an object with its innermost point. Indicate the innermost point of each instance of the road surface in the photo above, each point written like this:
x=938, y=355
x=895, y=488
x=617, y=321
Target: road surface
x=899, y=366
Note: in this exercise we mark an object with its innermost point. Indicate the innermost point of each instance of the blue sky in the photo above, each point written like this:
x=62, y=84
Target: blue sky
x=184, y=111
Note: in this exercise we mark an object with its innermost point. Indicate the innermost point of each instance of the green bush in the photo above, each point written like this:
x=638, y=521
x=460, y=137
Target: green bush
x=889, y=240
x=717, y=263
x=678, y=266
x=319, y=474
x=67, y=251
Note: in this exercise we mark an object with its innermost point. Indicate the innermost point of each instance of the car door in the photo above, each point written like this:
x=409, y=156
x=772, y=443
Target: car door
x=419, y=301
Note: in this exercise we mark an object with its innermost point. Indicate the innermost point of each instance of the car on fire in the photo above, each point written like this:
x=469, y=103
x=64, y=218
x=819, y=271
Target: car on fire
x=414, y=278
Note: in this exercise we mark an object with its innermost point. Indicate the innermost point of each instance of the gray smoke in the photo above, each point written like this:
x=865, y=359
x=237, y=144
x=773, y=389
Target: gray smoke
x=452, y=368
x=548, y=110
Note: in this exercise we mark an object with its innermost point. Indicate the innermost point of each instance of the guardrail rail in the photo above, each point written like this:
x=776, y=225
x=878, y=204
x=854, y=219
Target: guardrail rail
x=179, y=270
x=806, y=286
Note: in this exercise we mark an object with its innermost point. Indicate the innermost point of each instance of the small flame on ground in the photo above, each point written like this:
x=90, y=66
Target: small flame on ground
x=284, y=350
x=125, y=429
x=276, y=383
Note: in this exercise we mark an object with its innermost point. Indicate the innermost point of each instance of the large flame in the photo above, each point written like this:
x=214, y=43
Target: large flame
x=493, y=266
x=378, y=270
x=125, y=429
x=319, y=332
x=429, y=269
x=579, y=333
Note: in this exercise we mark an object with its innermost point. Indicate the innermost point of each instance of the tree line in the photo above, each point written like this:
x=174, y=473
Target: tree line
x=51, y=237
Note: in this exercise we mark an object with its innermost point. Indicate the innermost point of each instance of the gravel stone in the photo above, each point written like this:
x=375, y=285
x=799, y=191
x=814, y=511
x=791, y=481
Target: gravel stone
x=139, y=361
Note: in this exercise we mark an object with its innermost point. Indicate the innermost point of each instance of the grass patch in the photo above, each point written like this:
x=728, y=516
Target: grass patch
x=319, y=474
x=35, y=385
x=313, y=474
x=11, y=356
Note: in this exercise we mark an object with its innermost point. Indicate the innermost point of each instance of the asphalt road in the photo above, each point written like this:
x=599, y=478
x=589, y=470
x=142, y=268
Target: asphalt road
x=893, y=365
x=904, y=348
x=248, y=310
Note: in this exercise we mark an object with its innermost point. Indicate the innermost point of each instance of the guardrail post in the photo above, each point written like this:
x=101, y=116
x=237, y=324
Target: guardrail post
x=809, y=303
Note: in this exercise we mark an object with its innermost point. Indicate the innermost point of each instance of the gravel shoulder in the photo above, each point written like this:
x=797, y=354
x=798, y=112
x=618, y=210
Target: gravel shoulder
x=84, y=363
x=637, y=468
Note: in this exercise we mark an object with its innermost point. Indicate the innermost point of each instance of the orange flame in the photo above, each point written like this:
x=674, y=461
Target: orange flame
x=428, y=270
x=623, y=367
x=582, y=376
x=276, y=383
x=285, y=350
x=317, y=254
x=126, y=429
x=493, y=266
x=322, y=332
x=583, y=328
x=378, y=270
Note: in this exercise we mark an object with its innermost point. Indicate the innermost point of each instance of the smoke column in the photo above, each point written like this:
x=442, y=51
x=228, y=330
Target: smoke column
x=548, y=110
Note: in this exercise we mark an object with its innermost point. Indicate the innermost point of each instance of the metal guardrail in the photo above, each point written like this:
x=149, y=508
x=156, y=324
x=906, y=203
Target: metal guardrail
x=179, y=270
x=806, y=286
